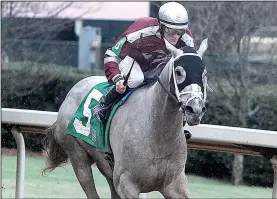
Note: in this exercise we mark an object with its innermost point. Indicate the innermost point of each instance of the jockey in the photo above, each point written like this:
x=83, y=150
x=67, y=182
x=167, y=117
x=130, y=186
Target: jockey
x=142, y=48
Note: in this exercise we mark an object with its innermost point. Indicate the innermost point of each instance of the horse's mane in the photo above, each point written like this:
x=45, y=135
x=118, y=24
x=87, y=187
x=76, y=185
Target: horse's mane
x=188, y=49
x=151, y=76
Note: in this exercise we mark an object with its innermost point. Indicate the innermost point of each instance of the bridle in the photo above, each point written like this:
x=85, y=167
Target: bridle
x=194, y=93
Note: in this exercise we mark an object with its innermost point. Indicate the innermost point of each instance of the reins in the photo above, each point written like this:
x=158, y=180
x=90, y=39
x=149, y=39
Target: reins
x=177, y=98
x=169, y=93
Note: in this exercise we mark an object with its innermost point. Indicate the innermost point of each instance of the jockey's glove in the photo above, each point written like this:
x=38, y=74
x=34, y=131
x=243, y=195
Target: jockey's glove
x=117, y=79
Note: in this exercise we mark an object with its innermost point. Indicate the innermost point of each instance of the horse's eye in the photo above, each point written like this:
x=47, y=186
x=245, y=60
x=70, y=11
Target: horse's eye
x=178, y=73
x=178, y=70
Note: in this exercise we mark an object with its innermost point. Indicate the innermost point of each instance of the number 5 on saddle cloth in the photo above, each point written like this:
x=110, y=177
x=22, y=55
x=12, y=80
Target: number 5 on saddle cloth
x=86, y=127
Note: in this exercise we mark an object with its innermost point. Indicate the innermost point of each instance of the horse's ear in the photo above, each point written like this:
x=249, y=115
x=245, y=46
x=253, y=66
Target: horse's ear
x=203, y=47
x=174, y=51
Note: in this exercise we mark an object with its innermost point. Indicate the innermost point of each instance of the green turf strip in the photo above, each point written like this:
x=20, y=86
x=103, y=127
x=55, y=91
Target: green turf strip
x=62, y=183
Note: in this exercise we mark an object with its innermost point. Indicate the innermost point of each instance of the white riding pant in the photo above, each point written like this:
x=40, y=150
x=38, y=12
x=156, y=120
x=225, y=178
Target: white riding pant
x=136, y=76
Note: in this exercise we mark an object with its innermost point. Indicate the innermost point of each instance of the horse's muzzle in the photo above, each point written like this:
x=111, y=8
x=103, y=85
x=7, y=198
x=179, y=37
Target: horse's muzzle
x=193, y=114
x=196, y=110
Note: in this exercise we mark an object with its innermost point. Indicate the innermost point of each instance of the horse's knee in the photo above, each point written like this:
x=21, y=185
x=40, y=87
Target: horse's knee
x=125, y=187
x=177, y=189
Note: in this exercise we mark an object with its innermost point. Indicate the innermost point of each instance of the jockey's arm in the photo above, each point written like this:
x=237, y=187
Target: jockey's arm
x=112, y=58
x=122, y=47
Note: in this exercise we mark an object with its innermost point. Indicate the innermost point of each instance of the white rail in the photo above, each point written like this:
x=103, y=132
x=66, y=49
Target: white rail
x=28, y=117
x=205, y=137
x=225, y=134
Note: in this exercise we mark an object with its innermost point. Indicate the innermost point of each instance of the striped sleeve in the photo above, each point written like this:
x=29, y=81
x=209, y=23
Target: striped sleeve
x=112, y=59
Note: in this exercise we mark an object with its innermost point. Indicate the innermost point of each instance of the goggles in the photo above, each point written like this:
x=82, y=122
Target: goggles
x=172, y=32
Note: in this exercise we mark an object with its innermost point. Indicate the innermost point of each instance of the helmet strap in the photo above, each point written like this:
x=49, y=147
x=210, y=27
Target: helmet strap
x=162, y=27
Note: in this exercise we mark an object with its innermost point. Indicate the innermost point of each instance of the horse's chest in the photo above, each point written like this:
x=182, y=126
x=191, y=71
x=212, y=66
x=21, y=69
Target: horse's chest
x=160, y=173
x=163, y=168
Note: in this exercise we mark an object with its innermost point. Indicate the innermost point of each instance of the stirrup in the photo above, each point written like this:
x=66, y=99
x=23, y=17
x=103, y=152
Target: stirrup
x=99, y=112
x=97, y=116
x=96, y=112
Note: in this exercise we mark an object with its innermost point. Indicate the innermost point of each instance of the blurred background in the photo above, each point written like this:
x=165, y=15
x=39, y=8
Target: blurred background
x=46, y=47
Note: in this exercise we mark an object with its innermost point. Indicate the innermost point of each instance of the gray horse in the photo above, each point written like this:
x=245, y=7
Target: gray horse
x=146, y=134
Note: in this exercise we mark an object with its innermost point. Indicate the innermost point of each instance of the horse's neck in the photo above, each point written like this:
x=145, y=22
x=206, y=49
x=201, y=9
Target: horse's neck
x=162, y=106
x=167, y=119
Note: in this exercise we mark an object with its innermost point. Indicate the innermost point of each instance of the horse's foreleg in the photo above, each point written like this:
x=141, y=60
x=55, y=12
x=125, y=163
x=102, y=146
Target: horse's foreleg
x=109, y=179
x=178, y=188
x=81, y=163
x=114, y=194
x=125, y=187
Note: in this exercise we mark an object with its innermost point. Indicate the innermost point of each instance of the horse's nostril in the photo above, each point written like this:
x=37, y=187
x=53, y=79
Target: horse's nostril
x=189, y=109
x=203, y=109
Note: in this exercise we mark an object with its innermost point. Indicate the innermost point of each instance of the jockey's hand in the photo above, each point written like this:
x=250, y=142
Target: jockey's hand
x=120, y=87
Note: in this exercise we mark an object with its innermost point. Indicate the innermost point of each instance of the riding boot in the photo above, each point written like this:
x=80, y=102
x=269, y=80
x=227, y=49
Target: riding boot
x=106, y=101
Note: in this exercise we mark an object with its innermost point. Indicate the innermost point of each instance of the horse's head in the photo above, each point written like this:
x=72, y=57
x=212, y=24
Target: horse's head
x=188, y=80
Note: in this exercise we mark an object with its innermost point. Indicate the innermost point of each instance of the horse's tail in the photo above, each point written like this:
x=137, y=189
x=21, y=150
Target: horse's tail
x=54, y=154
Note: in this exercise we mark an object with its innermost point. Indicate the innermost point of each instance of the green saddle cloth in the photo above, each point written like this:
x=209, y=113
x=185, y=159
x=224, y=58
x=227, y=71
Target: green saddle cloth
x=87, y=128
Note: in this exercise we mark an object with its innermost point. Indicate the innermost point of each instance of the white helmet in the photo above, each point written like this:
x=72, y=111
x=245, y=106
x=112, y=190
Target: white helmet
x=173, y=15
